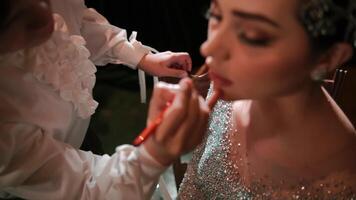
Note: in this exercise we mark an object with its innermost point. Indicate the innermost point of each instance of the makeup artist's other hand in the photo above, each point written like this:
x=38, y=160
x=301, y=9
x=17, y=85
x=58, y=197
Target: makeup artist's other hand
x=183, y=125
x=167, y=64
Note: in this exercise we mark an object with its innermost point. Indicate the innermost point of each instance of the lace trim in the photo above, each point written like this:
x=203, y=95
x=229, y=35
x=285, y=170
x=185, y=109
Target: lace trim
x=63, y=63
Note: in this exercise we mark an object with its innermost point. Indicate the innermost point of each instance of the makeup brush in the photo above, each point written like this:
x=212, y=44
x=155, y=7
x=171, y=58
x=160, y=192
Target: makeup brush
x=202, y=72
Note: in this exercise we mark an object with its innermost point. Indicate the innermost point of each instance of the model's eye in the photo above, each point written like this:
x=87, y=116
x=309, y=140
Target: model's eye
x=210, y=15
x=214, y=19
x=214, y=14
x=253, y=39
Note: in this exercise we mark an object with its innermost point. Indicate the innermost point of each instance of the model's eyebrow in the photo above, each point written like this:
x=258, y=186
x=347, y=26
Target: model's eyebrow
x=255, y=17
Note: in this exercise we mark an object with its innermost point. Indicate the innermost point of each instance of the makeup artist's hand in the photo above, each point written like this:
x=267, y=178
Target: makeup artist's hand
x=167, y=64
x=183, y=125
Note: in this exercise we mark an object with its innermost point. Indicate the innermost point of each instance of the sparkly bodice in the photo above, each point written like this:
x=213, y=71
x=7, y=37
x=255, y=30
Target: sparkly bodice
x=212, y=174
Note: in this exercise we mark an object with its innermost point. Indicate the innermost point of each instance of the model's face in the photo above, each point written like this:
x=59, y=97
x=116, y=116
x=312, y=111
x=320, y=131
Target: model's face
x=28, y=24
x=257, y=49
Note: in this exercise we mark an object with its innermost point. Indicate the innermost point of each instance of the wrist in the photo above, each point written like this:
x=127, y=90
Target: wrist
x=158, y=152
x=143, y=62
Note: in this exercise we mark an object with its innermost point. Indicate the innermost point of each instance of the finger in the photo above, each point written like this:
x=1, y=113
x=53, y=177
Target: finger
x=201, y=125
x=162, y=94
x=214, y=98
x=182, y=61
x=191, y=119
x=176, y=73
x=203, y=105
x=181, y=101
x=176, y=112
x=182, y=138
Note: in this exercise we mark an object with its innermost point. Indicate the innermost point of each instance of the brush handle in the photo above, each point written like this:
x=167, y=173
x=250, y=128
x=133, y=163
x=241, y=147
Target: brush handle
x=151, y=128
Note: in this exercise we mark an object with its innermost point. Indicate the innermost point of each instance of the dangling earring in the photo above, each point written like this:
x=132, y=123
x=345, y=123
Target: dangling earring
x=318, y=75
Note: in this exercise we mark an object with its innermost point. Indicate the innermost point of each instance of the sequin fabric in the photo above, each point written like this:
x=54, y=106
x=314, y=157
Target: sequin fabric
x=212, y=174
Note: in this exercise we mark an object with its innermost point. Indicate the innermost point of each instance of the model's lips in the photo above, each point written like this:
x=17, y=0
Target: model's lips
x=218, y=80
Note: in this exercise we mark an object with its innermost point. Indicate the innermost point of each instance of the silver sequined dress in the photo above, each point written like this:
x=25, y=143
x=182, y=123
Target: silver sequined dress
x=212, y=175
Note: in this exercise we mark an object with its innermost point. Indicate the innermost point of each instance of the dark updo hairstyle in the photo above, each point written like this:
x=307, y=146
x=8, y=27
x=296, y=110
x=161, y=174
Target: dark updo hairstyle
x=328, y=22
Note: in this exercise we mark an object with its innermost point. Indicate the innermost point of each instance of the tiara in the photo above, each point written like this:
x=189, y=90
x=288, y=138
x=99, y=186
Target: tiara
x=322, y=16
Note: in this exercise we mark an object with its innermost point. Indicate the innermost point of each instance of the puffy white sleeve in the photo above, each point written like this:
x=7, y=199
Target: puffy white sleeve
x=33, y=165
x=108, y=43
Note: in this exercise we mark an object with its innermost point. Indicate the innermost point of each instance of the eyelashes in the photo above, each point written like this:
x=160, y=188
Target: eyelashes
x=253, y=41
x=212, y=15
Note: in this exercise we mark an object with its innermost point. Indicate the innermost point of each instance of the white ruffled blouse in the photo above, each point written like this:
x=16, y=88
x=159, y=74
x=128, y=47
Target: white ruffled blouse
x=45, y=107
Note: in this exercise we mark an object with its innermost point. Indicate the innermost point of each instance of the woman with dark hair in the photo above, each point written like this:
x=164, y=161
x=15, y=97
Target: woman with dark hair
x=276, y=133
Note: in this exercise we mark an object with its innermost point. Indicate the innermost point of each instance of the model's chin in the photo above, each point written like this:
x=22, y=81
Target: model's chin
x=225, y=95
x=227, y=98
x=230, y=95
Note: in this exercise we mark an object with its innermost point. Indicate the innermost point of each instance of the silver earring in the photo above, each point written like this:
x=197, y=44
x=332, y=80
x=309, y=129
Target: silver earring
x=318, y=75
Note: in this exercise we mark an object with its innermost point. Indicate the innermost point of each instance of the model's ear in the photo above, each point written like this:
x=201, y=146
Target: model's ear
x=335, y=57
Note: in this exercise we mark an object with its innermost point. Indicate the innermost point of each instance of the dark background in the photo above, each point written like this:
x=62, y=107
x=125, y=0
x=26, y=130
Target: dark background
x=175, y=25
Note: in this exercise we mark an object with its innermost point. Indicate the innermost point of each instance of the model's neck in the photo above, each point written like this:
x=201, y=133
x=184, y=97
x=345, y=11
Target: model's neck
x=290, y=111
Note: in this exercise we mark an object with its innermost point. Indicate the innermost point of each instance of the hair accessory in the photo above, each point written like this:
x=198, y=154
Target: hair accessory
x=318, y=75
x=321, y=18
